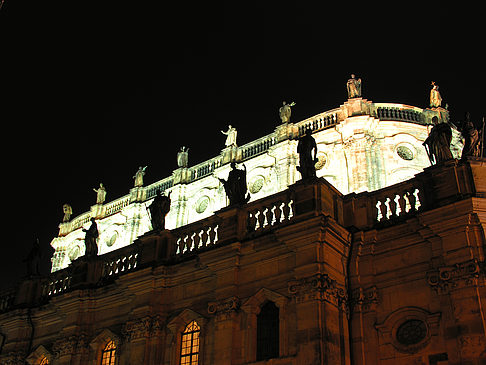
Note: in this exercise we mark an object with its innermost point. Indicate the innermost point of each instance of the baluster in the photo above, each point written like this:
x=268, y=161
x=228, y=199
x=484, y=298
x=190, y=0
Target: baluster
x=178, y=245
x=419, y=198
x=201, y=239
x=276, y=214
x=193, y=243
x=184, y=244
x=251, y=222
x=265, y=217
x=402, y=204
x=412, y=200
x=216, y=238
x=392, y=204
x=383, y=210
x=260, y=217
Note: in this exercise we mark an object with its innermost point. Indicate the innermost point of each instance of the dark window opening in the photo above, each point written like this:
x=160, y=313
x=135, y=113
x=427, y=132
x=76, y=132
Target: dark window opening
x=267, y=332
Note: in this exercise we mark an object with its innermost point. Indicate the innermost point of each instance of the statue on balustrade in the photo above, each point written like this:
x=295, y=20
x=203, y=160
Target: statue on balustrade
x=230, y=136
x=307, y=150
x=90, y=239
x=33, y=259
x=182, y=157
x=68, y=211
x=285, y=111
x=235, y=187
x=139, y=176
x=435, y=98
x=471, y=138
x=158, y=210
x=354, y=87
x=438, y=143
x=100, y=194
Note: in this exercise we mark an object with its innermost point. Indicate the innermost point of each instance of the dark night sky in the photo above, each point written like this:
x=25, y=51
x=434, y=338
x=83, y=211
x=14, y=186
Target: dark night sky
x=89, y=91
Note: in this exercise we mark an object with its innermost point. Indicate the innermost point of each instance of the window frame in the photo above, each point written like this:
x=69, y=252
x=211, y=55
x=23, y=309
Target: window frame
x=190, y=332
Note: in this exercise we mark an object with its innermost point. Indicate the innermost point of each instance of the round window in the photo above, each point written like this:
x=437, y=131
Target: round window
x=405, y=153
x=411, y=332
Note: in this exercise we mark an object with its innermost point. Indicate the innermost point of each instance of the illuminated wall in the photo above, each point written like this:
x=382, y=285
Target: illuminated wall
x=362, y=146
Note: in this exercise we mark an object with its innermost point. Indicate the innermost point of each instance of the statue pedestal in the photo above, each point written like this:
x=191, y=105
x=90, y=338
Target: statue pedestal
x=181, y=176
x=96, y=211
x=356, y=106
x=229, y=154
x=137, y=194
x=286, y=131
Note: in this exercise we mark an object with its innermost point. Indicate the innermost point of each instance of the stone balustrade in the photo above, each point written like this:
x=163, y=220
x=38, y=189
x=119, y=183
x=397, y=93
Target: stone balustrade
x=319, y=122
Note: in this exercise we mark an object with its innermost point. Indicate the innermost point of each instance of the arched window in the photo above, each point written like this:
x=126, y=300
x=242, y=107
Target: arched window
x=267, y=332
x=44, y=361
x=190, y=344
x=108, y=354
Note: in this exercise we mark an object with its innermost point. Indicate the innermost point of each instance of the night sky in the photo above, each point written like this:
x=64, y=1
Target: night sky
x=90, y=91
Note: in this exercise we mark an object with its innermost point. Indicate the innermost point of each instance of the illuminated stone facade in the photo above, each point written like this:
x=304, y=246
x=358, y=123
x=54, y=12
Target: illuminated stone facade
x=362, y=146
x=302, y=274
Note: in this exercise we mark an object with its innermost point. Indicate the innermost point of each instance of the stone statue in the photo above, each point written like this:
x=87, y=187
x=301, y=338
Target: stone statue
x=33, y=259
x=182, y=157
x=354, y=87
x=158, y=210
x=100, y=194
x=307, y=150
x=90, y=240
x=435, y=98
x=231, y=136
x=471, y=139
x=139, y=176
x=68, y=211
x=285, y=111
x=235, y=187
x=438, y=143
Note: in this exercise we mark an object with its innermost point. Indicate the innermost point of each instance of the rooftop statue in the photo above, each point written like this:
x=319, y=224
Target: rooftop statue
x=435, y=98
x=139, y=176
x=438, y=143
x=90, y=240
x=158, y=210
x=471, y=138
x=182, y=157
x=235, y=187
x=33, y=259
x=354, y=87
x=100, y=194
x=68, y=211
x=230, y=136
x=307, y=150
x=285, y=111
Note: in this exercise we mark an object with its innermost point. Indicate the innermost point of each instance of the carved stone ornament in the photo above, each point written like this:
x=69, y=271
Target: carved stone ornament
x=320, y=287
x=364, y=300
x=141, y=328
x=65, y=346
x=224, y=307
x=13, y=358
x=446, y=278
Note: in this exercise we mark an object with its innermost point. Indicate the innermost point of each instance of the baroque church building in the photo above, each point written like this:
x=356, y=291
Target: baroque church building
x=377, y=259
